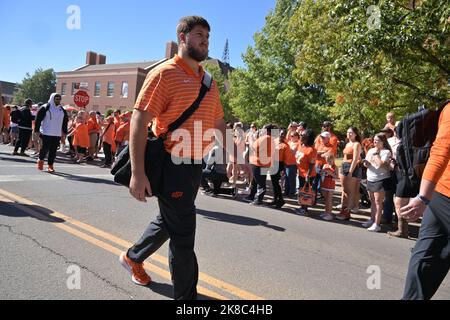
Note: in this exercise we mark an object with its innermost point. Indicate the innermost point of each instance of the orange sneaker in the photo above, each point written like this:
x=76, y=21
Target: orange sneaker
x=50, y=169
x=138, y=274
x=40, y=165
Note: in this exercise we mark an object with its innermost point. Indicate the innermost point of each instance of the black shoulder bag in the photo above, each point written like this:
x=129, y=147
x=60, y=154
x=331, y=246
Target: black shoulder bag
x=154, y=151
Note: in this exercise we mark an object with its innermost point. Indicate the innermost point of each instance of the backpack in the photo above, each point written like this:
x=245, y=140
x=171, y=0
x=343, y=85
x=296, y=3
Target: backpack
x=417, y=133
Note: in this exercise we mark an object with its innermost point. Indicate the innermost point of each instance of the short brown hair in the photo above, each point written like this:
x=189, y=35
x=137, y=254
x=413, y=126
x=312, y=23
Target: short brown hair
x=186, y=24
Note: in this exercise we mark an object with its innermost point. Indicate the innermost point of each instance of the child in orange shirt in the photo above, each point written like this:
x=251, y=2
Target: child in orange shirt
x=81, y=138
x=328, y=185
x=306, y=159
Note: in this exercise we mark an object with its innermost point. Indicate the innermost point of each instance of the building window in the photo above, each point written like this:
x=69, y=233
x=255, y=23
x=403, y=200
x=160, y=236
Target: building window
x=63, y=89
x=110, y=92
x=97, y=89
x=75, y=87
x=124, y=89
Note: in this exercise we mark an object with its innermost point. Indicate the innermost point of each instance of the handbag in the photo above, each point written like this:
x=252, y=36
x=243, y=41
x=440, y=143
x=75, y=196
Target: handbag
x=306, y=196
x=155, y=152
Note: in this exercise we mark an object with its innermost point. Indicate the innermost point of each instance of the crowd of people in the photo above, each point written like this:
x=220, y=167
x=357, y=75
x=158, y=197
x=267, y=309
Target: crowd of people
x=304, y=161
x=46, y=128
x=306, y=164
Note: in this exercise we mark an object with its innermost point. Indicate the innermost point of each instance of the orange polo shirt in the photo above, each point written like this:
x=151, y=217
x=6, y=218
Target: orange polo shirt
x=168, y=91
x=437, y=169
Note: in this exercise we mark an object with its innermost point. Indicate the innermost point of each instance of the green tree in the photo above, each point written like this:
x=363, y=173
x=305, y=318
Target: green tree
x=369, y=67
x=223, y=86
x=37, y=87
x=266, y=91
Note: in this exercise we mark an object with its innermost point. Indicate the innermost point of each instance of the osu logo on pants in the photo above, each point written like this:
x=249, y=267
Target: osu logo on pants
x=177, y=195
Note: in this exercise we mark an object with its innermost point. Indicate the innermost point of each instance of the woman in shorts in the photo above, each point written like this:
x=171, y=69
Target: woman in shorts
x=351, y=174
x=379, y=179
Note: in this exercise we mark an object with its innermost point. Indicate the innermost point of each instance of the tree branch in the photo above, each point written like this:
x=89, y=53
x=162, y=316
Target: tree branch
x=413, y=87
x=433, y=59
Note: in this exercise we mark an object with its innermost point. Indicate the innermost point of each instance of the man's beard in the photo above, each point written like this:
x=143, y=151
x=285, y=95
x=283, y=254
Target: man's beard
x=197, y=55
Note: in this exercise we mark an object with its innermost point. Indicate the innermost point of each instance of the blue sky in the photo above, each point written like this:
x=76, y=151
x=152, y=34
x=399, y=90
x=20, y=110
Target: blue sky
x=34, y=33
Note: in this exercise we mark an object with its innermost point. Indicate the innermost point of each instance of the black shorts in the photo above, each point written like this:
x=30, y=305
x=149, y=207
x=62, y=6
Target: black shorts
x=81, y=150
x=357, y=173
x=404, y=188
x=381, y=186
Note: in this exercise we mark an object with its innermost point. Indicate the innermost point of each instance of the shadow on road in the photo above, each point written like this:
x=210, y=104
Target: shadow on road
x=166, y=290
x=19, y=210
x=18, y=159
x=73, y=177
x=230, y=218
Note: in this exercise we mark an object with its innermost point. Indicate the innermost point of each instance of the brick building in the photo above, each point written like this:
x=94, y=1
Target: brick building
x=115, y=86
x=8, y=90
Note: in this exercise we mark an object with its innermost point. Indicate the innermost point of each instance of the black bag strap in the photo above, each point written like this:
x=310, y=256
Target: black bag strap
x=107, y=128
x=206, y=86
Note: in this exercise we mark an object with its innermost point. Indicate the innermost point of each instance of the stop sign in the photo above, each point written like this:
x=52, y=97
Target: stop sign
x=81, y=99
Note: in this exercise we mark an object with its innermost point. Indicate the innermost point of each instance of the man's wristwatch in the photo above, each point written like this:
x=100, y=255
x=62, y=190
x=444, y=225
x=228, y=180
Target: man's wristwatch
x=423, y=199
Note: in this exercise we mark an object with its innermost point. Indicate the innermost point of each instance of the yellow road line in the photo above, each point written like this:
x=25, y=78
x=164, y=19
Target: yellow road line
x=125, y=244
x=155, y=269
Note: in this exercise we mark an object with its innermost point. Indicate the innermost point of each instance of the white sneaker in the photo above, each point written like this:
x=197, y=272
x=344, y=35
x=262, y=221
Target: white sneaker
x=374, y=228
x=368, y=223
x=338, y=207
x=246, y=191
x=328, y=217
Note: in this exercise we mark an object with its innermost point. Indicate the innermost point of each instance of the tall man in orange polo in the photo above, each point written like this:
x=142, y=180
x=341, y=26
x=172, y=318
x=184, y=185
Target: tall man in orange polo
x=167, y=92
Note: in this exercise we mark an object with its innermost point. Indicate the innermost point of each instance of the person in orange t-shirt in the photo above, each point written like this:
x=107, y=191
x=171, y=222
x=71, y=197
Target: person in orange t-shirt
x=80, y=138
x=117, y=119
x=306, y=158
x=429, y=263
x=107, y=139
x=93, y=130
x=122, y=137
x=260, y=159
x=334, y=141
x=324, y=149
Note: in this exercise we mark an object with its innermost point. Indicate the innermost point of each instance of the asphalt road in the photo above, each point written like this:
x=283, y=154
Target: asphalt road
x=61, y=236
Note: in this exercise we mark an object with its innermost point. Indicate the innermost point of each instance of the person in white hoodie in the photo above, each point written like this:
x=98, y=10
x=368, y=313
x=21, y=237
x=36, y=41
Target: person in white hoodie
x=51, y=122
